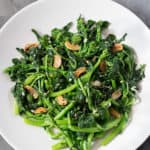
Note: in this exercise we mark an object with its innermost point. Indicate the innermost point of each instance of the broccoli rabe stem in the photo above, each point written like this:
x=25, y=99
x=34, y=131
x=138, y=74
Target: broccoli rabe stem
x=115, y=131
x=64, y=91
x=84, y=130
x=89, y=141
x=37, y=122
x=64, y=111
x=62, y=144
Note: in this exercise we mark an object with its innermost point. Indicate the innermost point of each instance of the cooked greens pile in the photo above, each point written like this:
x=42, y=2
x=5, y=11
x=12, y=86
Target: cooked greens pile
x=79, y=86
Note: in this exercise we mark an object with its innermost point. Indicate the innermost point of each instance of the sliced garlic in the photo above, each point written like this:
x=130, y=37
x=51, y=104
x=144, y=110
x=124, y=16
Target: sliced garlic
x=61, y=101
x=117, y=47
x=57, y=61
x=73, y=47
x=115, y=95
x=114, y=113
x=40, y=110
x=32, y=91
x=80, y=71
x=30, y=45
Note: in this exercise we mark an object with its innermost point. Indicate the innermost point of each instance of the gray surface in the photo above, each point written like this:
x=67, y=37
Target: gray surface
x=9, y=7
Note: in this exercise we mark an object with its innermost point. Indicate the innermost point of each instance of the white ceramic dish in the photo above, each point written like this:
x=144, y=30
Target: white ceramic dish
x=43, y=16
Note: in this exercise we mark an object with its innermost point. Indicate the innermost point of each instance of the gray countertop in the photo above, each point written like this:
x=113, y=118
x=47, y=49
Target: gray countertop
x=9, y=7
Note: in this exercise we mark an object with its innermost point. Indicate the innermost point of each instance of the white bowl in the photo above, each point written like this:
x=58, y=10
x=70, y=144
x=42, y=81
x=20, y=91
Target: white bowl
x=45, y=15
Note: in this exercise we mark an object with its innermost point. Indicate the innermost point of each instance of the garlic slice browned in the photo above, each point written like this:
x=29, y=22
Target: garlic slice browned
x=57, y=61
x=73, y=47
x=32, y=91
x=61, y=101
x=115, y=95
x=80, y=71
x=40, y=110
x=117, y=47
x=30, y=45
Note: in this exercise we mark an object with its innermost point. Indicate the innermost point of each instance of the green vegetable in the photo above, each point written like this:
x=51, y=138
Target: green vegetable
x=79, y=107
x=115, y=131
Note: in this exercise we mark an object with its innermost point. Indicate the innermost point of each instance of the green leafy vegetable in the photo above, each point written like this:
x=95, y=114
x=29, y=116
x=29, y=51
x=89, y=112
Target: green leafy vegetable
x=80, y=83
